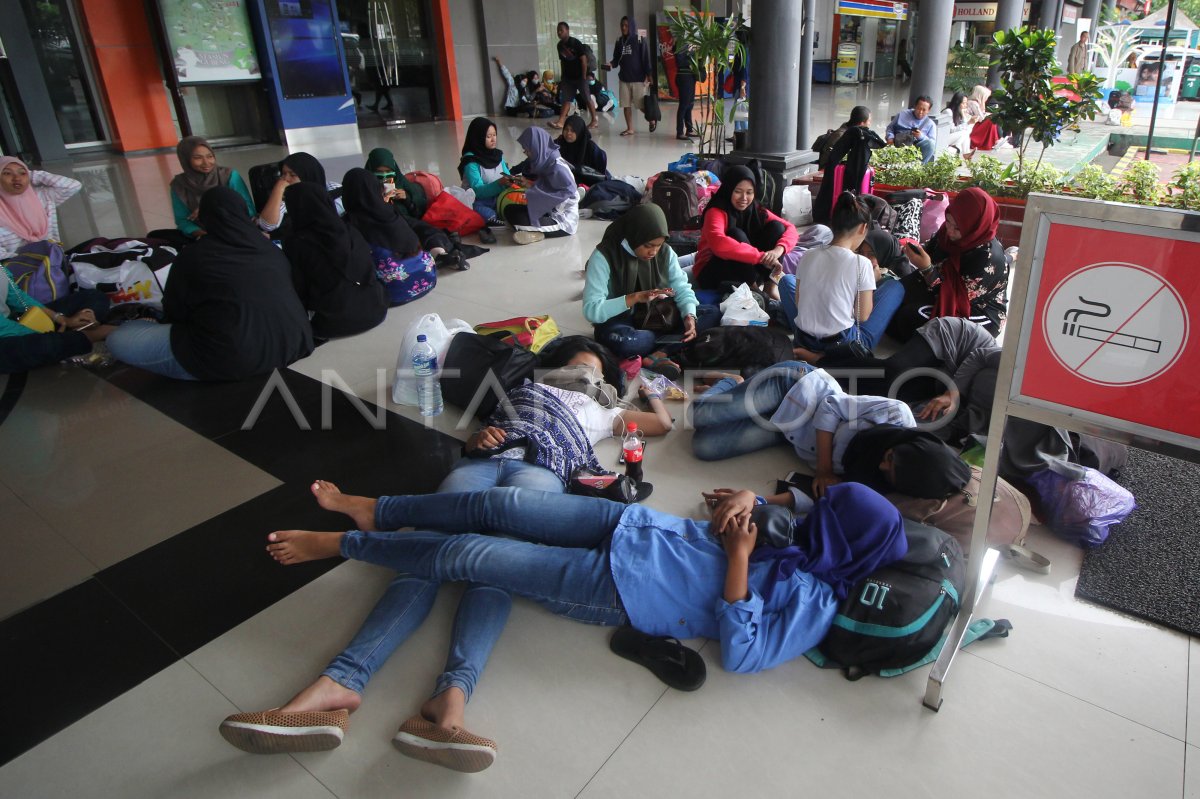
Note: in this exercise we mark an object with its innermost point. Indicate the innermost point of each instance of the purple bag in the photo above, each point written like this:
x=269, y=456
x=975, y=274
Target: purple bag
x=405, y=279
x=38, y=270
x=1081, y=509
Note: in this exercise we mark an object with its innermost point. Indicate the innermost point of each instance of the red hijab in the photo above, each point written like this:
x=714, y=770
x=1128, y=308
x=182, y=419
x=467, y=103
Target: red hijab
x=978, y=219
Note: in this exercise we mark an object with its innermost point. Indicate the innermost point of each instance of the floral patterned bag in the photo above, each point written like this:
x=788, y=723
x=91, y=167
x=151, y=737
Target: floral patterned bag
x=404, y=279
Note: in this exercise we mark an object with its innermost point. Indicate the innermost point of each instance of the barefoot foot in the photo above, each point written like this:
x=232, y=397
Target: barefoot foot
x=299, y=546
x=324, y=694
x=361, y=510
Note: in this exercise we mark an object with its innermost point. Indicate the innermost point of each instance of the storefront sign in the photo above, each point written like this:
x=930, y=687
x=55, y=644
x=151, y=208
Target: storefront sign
x=1070, y=14
x=210, y=40
x=982, y=12
x=872, y=8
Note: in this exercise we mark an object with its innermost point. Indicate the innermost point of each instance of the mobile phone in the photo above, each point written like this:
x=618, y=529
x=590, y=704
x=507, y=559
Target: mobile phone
x=389, y=185
x=85, y=327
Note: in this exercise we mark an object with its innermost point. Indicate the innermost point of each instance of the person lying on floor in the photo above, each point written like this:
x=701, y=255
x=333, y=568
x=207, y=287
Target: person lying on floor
x=593, y=561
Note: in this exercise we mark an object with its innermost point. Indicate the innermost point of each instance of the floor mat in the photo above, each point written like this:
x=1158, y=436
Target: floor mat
x=1150, y=564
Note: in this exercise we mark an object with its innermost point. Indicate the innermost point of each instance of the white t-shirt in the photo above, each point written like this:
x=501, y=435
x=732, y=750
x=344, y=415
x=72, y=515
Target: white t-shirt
x=828, y=280
x=597, y=421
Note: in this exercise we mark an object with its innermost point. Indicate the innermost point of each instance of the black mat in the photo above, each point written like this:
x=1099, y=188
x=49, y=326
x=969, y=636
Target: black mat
x=1150, y=565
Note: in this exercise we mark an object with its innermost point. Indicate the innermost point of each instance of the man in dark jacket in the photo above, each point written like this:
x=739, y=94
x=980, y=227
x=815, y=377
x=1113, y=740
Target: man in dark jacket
x=632, y=55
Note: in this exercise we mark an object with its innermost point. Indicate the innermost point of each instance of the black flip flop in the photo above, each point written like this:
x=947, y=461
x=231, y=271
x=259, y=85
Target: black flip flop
x=670, y=661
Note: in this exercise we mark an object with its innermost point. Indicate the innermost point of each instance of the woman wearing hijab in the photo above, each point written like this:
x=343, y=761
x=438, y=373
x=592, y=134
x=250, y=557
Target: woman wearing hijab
x=71, y=326
x=296, y=168
x=229, y=309
x=633, y=265
x=200, y=173
x=551, y=200
x=482, y=169
x=409, y=200
x=852, y=152
x=332, y=266
x=589, y=164
x=972, y=274
x=29, y=201
x=984, y=134
x=594, y=561
x=740, y=240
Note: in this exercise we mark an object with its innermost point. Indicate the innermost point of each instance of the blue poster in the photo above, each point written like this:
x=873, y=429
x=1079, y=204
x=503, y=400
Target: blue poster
x=307, y=57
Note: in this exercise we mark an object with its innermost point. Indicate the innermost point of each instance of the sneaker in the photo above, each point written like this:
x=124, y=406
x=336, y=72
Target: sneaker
x=585, y=213
x=486, y=236
x=454, y=749
x=528, y=236
x=269, y=732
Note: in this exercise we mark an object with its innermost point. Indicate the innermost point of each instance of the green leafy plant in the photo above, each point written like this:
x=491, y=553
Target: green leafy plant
x=966, y=68
x=713, y=46
x=1026, y=101
x=898, y=166
x=987, y=172
x=1141, y=183
x=1094, y=183
x=1042, y=178
x=1186, y=187
x=942, y=172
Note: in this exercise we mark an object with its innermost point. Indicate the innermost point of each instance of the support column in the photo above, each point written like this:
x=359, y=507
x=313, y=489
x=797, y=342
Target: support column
x=804, y=135
x=774, y=77
x=1048, y=19
x=929, y=59
x=1009, y=15
x=1091, y=10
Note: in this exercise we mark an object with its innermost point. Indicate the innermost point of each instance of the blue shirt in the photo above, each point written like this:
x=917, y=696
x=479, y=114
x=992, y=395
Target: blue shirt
x=905, y=120
x=670, y=573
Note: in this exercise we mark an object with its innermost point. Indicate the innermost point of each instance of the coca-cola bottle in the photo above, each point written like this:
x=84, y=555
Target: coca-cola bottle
x=633, y=446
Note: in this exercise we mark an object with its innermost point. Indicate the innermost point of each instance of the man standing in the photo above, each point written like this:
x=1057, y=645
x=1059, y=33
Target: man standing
x=632, y=55
x=1077, y=59
x=573, y=63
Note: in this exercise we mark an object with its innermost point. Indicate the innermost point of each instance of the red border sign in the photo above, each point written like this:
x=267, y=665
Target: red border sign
x=1114, y=329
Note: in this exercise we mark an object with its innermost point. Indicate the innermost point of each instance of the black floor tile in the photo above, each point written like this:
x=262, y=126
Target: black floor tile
x=67, y=656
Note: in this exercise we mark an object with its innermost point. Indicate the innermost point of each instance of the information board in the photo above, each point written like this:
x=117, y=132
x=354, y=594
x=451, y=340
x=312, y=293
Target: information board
x=210, y=40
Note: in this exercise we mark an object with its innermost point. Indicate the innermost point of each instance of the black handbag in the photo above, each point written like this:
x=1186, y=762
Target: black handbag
x=657, y=316
x=915, y=309
x=483, y=366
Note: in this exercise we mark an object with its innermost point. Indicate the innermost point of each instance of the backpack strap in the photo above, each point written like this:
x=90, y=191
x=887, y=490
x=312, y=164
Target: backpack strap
x=979, y=630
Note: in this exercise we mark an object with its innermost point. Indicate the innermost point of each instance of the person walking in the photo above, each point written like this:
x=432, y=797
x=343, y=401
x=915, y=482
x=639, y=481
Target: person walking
x=574, y=62
x=1077, y=59
x=632, y=56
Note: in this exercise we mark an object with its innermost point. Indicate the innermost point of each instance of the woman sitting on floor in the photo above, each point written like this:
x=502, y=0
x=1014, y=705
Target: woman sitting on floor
x=836, y=295
x=410, y=202
x=483, y=169
x=590, y=560
x=549, y=205
x=332, y=266
x=961, y=125
x=200, y=173
x=29, y=203
x=71, y=326
x=972, y=274
x=229, y=309
x=296, y=168
x=631, y=267
x=740, y=240
x=589, y=164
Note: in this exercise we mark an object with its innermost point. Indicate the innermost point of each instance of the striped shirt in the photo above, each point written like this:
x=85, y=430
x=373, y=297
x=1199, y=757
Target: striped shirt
x=52, y=190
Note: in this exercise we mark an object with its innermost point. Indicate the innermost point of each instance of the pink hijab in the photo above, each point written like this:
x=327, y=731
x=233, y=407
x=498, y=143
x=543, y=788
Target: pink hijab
x=23, y=213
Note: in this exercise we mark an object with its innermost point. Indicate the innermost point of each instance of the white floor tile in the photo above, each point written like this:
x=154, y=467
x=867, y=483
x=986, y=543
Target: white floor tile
x=1191, y=778
x=38, y=562
x=998, y=734
x=1135, y=669
x=1193, y=719
x=158, y=740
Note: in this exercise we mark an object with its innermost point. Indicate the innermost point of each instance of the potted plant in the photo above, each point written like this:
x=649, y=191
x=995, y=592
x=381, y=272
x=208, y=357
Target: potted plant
x=966, y=68
x=713, y=47
x=1030, y=102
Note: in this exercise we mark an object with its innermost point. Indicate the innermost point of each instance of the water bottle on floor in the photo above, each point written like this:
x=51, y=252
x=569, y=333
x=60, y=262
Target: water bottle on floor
x=425, y=367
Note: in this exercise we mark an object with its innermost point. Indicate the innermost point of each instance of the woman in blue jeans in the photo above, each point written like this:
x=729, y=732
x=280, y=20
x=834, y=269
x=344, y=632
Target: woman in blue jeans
x=555, y=431
x=601, y=562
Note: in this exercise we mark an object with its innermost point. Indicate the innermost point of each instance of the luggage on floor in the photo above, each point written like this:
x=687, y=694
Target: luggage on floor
x=684, y=242
x=438, y=334
x=1081, y=507
x=262, y=179
x=428, y=181
x=530, y=332
x=38, y=270
x=609, y=199
x=452, y=216
x=675, y=193
x=480, y=370
x=745, y=349
x=405, y=279
x=1009, y=522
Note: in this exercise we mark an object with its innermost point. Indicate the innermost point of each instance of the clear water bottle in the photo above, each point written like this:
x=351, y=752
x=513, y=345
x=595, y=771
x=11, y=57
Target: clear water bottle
x=632, y=447
x=425, y=367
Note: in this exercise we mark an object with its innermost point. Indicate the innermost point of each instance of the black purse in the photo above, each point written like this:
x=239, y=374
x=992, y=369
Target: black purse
x=616, y=487
x=657, y=316
x=470, y=360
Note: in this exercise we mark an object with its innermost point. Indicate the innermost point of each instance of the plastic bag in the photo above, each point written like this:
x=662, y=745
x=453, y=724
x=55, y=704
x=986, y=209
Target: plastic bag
x=797, y=205
x=464, y=196
x=1081, y=509
x=132, y=281
x=635, y=181
x=741, y=309
x=438, y=334
x=933, y=214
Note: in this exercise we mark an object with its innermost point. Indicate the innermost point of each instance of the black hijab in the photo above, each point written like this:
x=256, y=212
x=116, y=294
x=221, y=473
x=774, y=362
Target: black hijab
x=475, y=149
x=754, y=217
x=575, y=152
x=854, y=147
x=380, y=223
x=923, y=465
x=306, y=167
x=320, y=237
x=224, y=218
x=887, y=251
x=628, y=273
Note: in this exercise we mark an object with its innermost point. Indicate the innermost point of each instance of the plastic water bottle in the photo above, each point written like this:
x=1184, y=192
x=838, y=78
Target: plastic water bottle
x=425, y=367
x=632, y=447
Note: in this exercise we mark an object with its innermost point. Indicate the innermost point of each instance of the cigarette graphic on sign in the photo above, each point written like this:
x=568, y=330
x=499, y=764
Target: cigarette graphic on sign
x=1072, y=327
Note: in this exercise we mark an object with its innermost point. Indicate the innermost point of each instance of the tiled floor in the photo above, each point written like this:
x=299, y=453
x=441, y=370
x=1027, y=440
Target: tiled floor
x=133, y=573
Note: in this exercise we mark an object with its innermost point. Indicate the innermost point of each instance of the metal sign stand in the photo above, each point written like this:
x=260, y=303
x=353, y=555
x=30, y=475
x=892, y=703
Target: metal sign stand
x=1091, y=323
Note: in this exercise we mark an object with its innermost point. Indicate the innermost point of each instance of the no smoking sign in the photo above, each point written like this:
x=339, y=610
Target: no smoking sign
x=1115, y=324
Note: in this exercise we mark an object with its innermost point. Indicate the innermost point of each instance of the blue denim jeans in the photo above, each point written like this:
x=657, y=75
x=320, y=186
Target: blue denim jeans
x=889, y=295
x=486, y=208
x=927, y=146
x=482, y=611
x=625, y=340
x=733, y=418
x=146, y=345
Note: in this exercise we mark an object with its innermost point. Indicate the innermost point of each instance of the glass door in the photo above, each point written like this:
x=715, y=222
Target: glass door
x=67, y=72
x=885, y=49
x=390, y=59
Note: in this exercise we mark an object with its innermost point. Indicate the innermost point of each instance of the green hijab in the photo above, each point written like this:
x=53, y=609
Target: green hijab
x=627, y=272
x=416, y=202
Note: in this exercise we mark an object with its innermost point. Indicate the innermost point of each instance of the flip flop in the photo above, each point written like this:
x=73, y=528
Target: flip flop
x=1025, y=558
x=679, y=667
x=627, y=133
x=662, y=365
x=552, y=125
